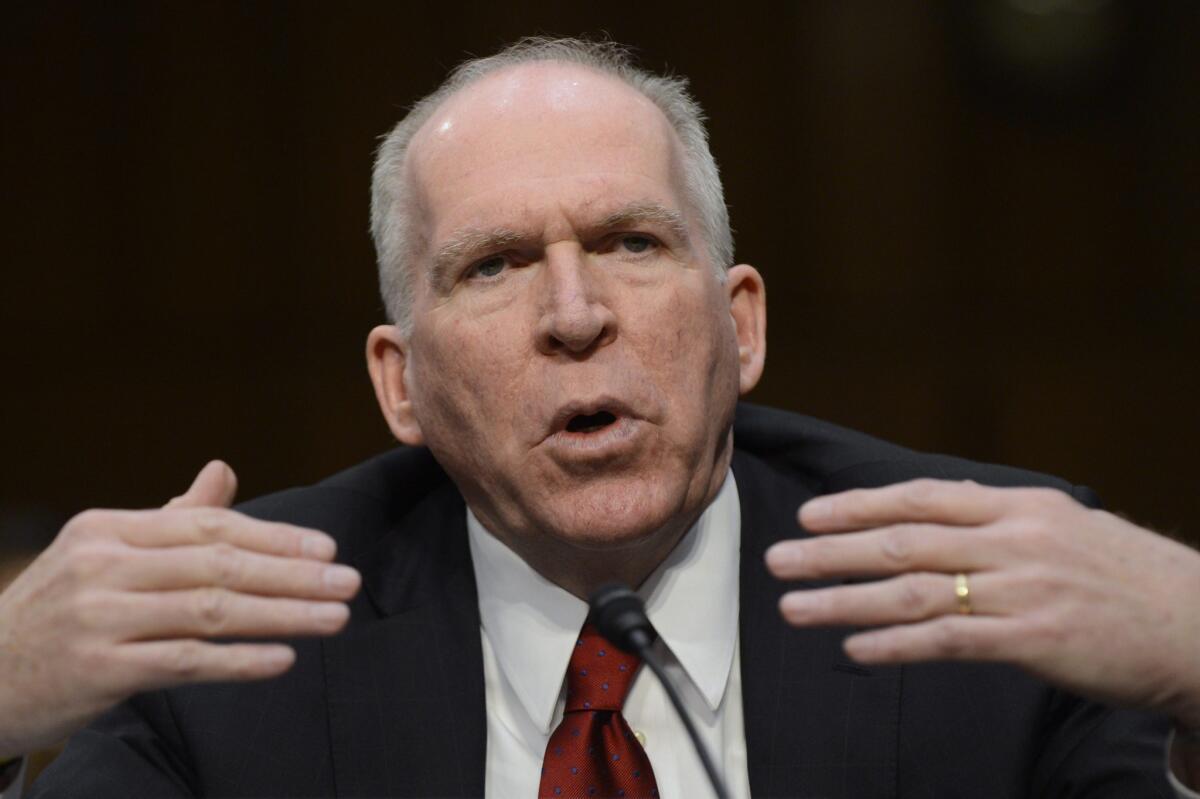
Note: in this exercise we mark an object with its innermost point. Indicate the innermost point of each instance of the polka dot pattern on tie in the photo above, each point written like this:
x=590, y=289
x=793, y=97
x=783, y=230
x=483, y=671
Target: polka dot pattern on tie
x=593, y=752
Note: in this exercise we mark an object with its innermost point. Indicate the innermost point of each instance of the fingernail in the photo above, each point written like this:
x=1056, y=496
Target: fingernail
x=278, y=657
x=784, y=554
x=329, y=612
x=340, y=578
x=796, y=606
x=318, y=547
x=858, y=647
x=819, y=508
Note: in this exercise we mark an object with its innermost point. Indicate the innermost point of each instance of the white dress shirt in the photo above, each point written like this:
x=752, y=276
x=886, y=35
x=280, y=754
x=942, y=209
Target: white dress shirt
x=529, y=629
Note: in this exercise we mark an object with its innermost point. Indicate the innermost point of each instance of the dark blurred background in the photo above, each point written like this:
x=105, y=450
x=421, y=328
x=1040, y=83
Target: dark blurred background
x=979, y=224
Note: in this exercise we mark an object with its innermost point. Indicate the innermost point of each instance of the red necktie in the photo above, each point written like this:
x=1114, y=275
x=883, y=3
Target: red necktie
x=593, y=753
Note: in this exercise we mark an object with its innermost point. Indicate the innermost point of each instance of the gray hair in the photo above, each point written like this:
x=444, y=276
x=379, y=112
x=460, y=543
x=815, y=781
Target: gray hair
x=392, y=216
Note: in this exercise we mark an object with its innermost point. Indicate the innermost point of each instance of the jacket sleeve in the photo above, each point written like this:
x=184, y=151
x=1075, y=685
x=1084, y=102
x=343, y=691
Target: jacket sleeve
x=1096, y=752
x=133, y=751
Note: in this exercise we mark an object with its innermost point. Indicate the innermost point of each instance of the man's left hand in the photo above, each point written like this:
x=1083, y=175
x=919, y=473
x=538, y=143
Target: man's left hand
x=1079, y=597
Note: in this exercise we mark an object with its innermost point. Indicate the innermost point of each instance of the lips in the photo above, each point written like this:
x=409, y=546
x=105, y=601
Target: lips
x=589, y=416
x=586, y=438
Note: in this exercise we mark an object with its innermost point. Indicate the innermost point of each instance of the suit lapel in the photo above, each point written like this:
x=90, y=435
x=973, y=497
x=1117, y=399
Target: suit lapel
x=405, y=680
x=816, y=723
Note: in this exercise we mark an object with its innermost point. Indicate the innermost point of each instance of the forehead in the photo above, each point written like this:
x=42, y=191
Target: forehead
x=537, y=138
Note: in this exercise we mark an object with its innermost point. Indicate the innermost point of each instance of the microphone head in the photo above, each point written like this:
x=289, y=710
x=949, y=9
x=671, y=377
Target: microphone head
x=620, y=617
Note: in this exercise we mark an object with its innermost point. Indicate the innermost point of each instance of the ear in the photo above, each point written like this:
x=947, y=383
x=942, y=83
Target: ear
x=748, y=307
x=387, y=361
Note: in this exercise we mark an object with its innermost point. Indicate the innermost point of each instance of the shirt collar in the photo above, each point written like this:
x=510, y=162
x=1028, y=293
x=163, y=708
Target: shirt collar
x=691, y=598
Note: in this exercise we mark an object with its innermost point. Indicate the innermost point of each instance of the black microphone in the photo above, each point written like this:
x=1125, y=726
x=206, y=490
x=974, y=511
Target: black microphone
x=620, y=617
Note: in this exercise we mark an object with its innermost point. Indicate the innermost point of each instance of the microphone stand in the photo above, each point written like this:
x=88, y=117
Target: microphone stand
x=618, y=614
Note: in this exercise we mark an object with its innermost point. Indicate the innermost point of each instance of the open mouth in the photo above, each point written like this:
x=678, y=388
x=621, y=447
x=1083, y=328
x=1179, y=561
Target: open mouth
x=590, y=422
x=591, y=433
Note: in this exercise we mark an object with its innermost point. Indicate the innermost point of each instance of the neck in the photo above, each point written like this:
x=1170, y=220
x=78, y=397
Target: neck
x=582, y=571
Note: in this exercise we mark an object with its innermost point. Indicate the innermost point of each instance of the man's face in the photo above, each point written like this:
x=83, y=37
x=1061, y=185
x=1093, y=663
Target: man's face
x=573, y=361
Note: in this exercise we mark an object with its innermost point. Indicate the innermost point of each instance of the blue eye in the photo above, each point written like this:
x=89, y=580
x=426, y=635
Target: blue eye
x=637, y=244
x=490, y=267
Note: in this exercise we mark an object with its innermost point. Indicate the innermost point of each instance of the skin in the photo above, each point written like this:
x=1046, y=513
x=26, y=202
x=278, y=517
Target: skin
x=1079, y=597
x=128, y=601
x=574, y=309
x=568, y=307
x=123, y=601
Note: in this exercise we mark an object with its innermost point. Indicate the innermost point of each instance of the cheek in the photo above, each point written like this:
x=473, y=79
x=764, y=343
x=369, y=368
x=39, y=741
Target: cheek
x=465, y=379
x=684, y=337
x=686, y=349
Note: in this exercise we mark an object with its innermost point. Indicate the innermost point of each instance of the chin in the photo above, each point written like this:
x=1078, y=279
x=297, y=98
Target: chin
x=615, y=514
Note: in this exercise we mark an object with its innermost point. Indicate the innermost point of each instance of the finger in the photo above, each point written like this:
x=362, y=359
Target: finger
x=153, y=528
x=925, y=500
x=152, y=665
x=226, y=566
x=889, y=550
x=218, y=613
x=904, y=599
x=215, y=485
x=993, y=638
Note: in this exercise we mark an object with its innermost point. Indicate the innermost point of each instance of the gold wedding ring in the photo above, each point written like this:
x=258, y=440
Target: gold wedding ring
x=962, y=592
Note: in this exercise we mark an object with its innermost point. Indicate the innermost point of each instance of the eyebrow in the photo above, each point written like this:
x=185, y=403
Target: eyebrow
x=465, y=242
x=641, y=213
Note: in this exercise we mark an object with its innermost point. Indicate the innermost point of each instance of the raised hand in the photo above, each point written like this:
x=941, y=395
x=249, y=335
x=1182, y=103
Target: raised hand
x=1080, y=597
x=124, y=601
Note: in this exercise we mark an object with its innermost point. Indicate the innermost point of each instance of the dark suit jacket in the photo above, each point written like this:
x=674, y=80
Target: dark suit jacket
x=394, y=706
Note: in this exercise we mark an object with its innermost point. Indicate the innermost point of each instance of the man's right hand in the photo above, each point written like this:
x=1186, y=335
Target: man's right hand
x=123, y=602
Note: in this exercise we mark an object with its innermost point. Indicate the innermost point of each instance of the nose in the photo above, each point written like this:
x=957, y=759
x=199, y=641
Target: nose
x=576, y=317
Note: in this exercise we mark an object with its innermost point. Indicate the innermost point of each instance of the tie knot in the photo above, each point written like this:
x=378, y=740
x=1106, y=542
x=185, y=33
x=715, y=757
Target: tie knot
x=599, y=674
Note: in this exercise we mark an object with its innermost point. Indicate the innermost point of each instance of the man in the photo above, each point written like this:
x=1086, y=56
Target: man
x=570, y=339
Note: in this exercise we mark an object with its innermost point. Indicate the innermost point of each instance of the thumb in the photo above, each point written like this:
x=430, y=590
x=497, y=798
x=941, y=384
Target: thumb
x=215, y=485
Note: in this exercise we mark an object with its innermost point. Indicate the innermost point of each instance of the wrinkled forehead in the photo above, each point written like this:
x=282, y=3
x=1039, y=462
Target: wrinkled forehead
x=540, y=121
